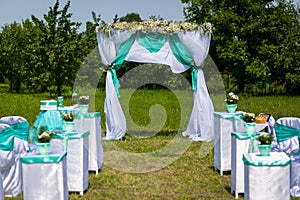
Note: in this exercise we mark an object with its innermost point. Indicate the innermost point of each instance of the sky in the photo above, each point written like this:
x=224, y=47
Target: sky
x=18, y=10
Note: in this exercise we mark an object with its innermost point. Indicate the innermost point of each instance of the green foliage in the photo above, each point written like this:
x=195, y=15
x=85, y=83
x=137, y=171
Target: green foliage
x=265, y=138
x=254, y=41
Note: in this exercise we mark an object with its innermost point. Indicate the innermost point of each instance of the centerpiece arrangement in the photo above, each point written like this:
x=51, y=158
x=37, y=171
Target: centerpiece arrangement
x=249, y=123
x=231, y=102
x=69, y=123
x=265, y=145
x=43, y=141
x=84, y=104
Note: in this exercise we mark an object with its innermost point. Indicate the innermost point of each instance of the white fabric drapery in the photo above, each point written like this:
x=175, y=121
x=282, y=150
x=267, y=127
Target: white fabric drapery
x=115, y=118
x=200, y=126
x=193, y=42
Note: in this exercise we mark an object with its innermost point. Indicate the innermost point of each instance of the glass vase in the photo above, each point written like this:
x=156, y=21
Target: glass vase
x=231, y=108
x=83, y=108
x=249, y=128
x=69, y=126
x=264, y=149
x=43, y=148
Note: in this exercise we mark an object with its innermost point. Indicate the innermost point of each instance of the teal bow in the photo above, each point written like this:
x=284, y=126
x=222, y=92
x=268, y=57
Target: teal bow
x=194, y=79
x=115, y=81
x=284, y=133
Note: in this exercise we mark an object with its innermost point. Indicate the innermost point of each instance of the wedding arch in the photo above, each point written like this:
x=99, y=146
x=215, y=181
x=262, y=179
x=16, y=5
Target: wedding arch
x=180, y=45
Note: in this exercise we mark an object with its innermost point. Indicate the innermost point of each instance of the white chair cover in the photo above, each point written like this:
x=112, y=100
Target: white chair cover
x=12, y=183
x=1, y=190
x=7, y=159
x=291, y=148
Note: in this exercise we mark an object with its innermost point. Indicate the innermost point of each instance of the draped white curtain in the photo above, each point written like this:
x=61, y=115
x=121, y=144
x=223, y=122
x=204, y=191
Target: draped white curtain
x=115, y=119
x=200, y=126
x=195, y=43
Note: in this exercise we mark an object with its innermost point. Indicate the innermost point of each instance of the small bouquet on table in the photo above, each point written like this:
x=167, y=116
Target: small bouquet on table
x=249, y=123
x=231, y=102
x=84, y=104
x=43, y=139
x=69, y=123
x=265, y=145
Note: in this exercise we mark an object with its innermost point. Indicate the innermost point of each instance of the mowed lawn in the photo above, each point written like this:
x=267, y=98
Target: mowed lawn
x=155, y=119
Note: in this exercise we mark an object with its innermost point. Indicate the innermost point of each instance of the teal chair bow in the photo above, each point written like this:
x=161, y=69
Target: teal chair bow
x=284, y=133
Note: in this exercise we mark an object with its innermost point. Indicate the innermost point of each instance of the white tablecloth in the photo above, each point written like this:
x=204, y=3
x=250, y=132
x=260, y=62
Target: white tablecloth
x=239, y=146
x=267, y=177
x=44, y=179
x=77, y=160
x=1, y=189
x=92, y=122
x=224, y=124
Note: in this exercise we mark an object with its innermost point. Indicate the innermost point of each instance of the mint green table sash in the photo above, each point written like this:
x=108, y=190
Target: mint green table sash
x=285, y=132
x=241, y=136
x=88, y=115
x=48, y=103
x=21, y=130
x=246, y=136
x=37, y=158
x=72, y=135
x=236, y=117
x=7, y=139
x=277, y=162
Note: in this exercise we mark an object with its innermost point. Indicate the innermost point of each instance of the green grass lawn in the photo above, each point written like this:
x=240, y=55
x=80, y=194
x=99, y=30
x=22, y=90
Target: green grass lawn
x=190, y=176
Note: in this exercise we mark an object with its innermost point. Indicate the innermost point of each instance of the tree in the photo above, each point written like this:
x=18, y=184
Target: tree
x=62, y=46
x=254, y=41
x=131, y=17
x=12, y=55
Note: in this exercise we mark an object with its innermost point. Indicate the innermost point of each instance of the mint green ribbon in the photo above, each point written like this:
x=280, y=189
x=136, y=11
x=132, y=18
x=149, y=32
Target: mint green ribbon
x=241, y=136
x=194, y=79
x=246, y=136
x=236, y=117
x=88, y=115
x=152, y=41
x=279, y=162
x=284, y=133
x=37, y=158
x=21, y=130
x=7, y=139
x=48, y=103
x=115, y=81
x=71, y=136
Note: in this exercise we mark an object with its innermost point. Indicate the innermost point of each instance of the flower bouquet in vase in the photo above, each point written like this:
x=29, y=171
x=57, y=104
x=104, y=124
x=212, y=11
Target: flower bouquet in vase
x=43, y=141
x=265, y=145
x=231, y=102
x=69, y=123
x=249, y=123
x=84, y=104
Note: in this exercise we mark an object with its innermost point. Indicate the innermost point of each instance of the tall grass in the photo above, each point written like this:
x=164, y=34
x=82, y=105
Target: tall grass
x=189, y=177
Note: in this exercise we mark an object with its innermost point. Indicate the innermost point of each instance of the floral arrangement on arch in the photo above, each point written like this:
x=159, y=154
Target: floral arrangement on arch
x=232, y=98
x=248, y=117
x=44, y=135
x=68, y=116
x=162, y=26
x=84, y=100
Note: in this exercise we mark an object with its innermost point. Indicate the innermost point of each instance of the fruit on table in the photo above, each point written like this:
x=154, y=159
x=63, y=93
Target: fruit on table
x=259, y=119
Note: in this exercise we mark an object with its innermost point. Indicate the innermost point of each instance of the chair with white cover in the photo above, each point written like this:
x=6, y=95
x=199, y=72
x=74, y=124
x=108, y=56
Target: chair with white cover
x=12, y=183
x=287, y=131
x=7, y=155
